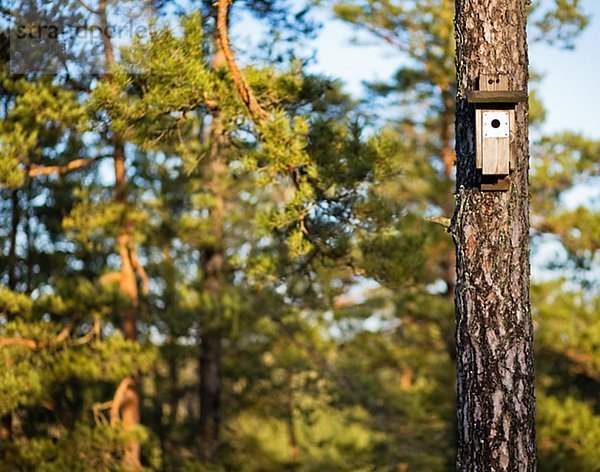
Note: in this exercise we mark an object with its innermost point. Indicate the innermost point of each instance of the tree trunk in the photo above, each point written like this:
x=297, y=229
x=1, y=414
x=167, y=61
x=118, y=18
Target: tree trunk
x=210, y=347
x=213, y=266
x=210, y=394
x=127, y=280
x=29, y=237
x=496, y=402
x=130, y=409
x=12, y=250
x=291, y=423
x=6, y=420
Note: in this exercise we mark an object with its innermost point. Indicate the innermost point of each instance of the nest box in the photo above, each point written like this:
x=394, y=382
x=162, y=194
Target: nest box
x=495, y=128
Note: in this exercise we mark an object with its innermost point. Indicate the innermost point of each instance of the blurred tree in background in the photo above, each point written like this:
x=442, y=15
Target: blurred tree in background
x=258, y=280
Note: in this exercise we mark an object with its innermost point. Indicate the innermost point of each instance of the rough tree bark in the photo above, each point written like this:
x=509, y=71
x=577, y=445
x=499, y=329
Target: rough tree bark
x=496, y=402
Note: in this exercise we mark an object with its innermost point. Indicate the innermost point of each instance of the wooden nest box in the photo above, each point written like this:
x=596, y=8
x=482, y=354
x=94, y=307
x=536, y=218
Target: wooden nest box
x=495, y=127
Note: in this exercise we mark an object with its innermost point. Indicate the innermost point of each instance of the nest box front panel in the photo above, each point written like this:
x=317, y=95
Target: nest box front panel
x=495, y=127
x=495, y=145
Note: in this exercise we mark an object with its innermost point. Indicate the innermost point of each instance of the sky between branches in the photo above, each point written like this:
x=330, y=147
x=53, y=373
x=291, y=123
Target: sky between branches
x=570, y=88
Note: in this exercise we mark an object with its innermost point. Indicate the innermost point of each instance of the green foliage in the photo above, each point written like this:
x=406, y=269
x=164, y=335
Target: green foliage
x=381, y=254
x=14, y=303
x=81, y=449
x=561, y=24
x=37, y=112
x=570, y=433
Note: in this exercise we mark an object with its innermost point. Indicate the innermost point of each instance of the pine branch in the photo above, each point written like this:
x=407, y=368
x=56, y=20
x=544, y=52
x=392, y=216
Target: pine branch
x=119, y=398
x=94, y=332
x=36, y=170
x=386, y=35
x=64, y=334
x=257, y=113
x=28, y=343
x=316, y=357
x=60, y=338
x=141, y=272
x=442, y=221
x=88, y=8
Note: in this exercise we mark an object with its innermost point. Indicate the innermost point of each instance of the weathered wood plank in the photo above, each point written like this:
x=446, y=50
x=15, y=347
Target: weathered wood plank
x=493, y=82
x=496, y=158
x=495, y=183
x=479, y=143
x=499, y=96
x=513, y=139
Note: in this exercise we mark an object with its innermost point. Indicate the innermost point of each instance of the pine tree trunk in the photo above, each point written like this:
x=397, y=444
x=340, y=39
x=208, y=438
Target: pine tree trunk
x=210, y=394
x=6, y=420
x=12, y=250
x=291, y=423
x=210, y=347
x=213, y=270
x=130, y=408
x=496, y=402
x=213, y=267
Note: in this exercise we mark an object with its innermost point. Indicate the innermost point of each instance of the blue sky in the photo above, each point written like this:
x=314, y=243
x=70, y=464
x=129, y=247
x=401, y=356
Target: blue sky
x=569, y=90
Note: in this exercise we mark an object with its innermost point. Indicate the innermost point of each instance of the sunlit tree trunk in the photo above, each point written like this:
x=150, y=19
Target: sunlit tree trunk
x=130, y=408
x=494, y=339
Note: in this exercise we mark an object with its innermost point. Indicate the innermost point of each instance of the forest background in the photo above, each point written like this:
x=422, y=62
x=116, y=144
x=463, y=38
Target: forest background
x=217, y=258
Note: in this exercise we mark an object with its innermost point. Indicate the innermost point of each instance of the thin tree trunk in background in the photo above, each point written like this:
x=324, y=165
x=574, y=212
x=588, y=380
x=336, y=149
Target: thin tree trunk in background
x=127, y=280
x=213, y=268
x=291, y=423
x=494, y=336
x=448, y=154
x=210, y=347
x=12, y=249
x=448, y=261
x=210, y=394
x=29, y=237
x=130, y=409
x=6, y=420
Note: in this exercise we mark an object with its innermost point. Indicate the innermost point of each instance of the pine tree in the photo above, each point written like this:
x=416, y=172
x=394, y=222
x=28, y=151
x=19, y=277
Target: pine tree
x=491, y=229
